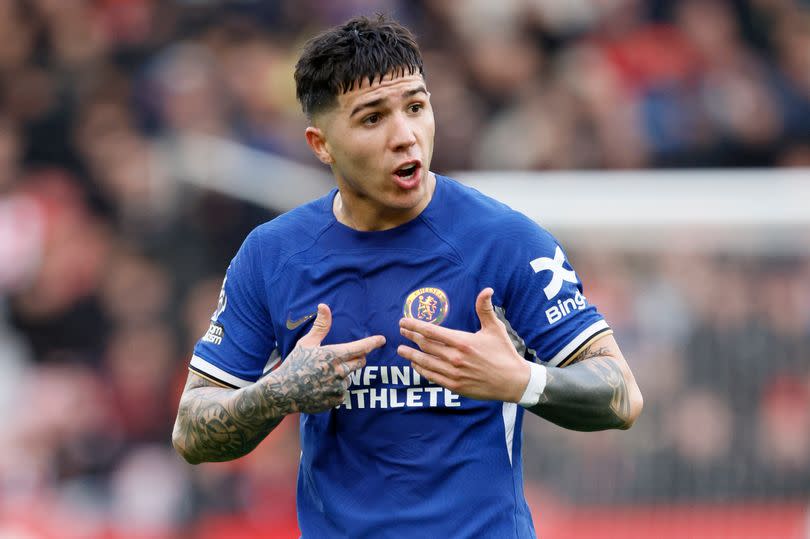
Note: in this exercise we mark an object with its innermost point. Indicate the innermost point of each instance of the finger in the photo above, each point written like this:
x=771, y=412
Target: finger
x=432, y=376
x=485, y=309
x=351, y=365
x=359, y=347
x=450, y=337
x=347, y=368
x=429, y=346
x=317, y=333
x=425, y=361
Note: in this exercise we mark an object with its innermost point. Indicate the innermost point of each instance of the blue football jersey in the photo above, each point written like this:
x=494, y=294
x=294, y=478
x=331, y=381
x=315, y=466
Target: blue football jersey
x=401, y=457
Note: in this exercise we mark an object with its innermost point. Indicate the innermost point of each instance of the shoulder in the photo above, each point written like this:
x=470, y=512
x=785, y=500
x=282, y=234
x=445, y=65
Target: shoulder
x=293, y=229
x=480, y=217
x=272, y=243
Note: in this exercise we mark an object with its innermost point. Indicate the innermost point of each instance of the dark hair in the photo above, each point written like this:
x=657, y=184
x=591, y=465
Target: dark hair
x=340, y=58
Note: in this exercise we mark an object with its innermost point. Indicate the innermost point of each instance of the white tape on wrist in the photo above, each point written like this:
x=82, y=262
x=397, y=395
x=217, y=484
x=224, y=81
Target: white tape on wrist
x=535, y=387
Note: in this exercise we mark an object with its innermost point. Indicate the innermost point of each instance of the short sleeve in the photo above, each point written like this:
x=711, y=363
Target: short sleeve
x=546, y=311
x=239, y=345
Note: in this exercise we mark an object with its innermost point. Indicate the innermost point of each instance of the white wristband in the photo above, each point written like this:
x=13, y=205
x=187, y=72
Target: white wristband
x=535, y=387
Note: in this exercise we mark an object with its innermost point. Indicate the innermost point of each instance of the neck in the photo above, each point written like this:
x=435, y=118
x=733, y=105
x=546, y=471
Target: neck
x=366, y=215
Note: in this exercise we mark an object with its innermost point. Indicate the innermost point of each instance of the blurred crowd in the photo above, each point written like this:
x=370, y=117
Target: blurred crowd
x=720, y=345
x=110, y=263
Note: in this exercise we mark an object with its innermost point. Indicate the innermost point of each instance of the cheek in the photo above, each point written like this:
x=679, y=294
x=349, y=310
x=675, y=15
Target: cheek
x=362, y=150
x=429, y=131
x=357, y=160
x=428, y=127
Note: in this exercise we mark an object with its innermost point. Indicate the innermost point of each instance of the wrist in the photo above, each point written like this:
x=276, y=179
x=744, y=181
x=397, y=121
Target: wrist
x=535, y=386
x=271, y=390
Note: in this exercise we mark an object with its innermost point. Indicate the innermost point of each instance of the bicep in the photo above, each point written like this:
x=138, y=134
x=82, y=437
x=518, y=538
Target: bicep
x=604, y=357
x=604, y=346
x=196, y=381
x=605, y=349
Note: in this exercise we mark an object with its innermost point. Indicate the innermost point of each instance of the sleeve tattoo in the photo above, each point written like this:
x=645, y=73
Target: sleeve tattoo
x=590, y=394
x=217, y=424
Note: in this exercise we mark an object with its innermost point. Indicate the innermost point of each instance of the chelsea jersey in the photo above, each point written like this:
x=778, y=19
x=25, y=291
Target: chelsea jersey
x=401, y=457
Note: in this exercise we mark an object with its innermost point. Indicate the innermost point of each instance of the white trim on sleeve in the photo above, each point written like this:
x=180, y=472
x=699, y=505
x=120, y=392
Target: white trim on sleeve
x=577, y=341
x=509, y=412
x=216, y=373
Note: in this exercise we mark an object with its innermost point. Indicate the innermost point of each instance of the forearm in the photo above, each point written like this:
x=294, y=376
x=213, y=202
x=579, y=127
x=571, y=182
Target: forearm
x=217, y=424
x=592, y=394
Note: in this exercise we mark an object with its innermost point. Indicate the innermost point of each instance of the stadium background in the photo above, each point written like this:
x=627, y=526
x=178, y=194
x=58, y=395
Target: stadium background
x=140, y=140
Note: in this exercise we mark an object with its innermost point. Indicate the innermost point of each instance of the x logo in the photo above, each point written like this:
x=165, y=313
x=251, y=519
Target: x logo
x=558, y=272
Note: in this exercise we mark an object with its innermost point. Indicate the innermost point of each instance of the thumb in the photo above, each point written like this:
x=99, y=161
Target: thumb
x=485, y=309
x=320, y=328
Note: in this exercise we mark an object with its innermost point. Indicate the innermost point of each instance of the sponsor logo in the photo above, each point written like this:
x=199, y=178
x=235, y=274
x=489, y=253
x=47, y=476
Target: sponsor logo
x=564, y=307
x=392, y=386
x=558, y=272
x=216, y=331
x=293, y=324
x=214, y=334
x=427, y=304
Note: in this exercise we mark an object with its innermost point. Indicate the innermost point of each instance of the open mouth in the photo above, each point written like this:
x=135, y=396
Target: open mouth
x=407, y=171
x=408, y=176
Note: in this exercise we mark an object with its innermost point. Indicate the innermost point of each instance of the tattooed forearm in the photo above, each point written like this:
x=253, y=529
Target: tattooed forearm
x=215, y=423
x=591, y=394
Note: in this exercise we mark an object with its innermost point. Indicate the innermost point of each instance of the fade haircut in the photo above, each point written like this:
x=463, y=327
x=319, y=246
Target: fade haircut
x=341, y=58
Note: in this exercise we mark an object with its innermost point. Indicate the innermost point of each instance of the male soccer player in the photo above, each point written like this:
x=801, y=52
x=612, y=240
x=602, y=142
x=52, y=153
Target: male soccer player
x=411, y=320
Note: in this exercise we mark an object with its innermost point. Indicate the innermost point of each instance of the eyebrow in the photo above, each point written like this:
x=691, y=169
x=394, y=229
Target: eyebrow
x=376, y=102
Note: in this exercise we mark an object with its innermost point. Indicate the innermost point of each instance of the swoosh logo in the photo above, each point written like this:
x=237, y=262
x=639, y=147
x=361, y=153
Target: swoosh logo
x=292, y=324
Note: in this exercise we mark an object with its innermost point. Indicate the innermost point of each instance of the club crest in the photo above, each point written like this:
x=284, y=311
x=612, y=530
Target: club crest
x=428, y=304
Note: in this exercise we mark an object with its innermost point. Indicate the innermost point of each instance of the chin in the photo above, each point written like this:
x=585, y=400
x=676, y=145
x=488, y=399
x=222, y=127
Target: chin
x=409, y=199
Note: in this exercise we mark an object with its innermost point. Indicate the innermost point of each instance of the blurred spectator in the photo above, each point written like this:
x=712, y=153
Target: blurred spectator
x=139, y=368
x=22, y=218
x=783, y=441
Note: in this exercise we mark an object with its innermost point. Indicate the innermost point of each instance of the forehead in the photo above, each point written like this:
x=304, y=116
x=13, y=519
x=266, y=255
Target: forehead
x=390, y=87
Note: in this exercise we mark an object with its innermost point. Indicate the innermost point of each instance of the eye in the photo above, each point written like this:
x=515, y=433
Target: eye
x=372, y=119
x=415, y=107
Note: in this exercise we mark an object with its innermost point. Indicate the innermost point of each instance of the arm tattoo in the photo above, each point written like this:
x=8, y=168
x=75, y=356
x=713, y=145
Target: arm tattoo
x=590, y=394
x=216, y=423
x=589, y=353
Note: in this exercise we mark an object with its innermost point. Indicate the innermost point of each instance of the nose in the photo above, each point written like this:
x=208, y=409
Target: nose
x=402, y=135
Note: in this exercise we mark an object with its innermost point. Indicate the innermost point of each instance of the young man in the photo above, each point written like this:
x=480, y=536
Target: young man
x=411, y=321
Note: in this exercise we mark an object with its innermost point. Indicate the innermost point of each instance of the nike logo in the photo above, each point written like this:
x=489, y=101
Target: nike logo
x=292, y=324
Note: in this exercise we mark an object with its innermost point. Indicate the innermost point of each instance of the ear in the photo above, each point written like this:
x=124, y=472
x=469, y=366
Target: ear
x=317, y=141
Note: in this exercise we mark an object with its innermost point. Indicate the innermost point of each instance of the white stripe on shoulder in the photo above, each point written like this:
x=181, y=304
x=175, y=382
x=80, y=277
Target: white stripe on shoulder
x=215, y=372
x=577, y=341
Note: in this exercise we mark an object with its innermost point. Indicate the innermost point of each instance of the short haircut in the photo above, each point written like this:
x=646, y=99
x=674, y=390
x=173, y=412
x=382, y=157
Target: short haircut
x=337, y=60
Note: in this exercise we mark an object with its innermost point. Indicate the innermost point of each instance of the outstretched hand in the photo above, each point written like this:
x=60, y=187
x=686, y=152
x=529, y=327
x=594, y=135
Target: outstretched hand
x=316, y=377
x=482, y=365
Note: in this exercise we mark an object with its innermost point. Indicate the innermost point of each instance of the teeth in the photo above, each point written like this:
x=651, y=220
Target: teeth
x=406, y=170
